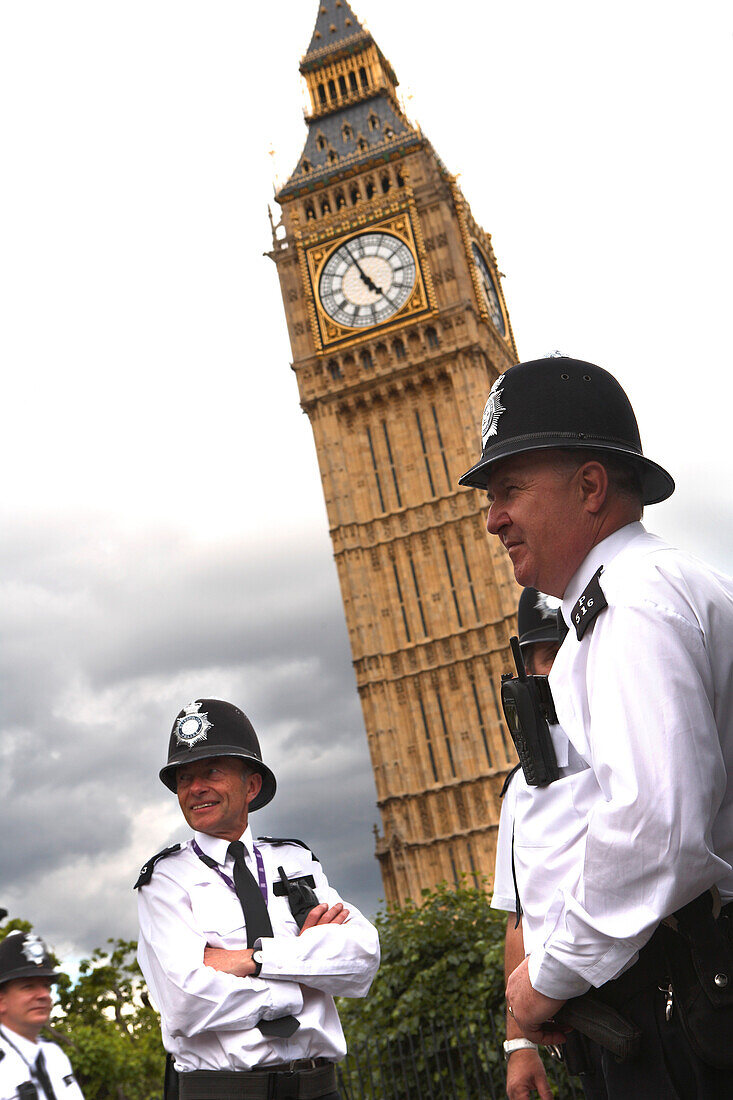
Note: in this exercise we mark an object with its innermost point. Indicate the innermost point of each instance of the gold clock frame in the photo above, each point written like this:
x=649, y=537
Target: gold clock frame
x=327, y=333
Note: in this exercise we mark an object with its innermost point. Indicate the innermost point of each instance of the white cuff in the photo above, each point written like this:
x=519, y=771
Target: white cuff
x=553, y=979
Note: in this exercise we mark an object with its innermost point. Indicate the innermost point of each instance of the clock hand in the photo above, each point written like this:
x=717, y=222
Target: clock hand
x=364, y=277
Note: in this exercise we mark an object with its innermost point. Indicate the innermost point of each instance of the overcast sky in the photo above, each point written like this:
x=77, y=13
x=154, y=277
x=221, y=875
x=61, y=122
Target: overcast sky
x=163, y=530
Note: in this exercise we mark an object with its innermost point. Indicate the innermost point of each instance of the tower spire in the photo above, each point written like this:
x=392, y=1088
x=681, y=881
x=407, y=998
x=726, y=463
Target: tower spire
x=335, y=26
x=355, y=114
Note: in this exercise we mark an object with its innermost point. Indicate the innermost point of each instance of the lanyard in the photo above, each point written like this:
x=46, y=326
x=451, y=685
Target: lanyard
x=30, y=1066
x=261, y=876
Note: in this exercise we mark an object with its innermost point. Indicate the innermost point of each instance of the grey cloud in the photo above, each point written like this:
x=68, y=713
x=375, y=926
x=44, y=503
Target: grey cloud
x=104, y=635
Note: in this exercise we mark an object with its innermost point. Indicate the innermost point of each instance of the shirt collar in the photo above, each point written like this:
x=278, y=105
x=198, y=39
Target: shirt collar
x=602, y=554
x=216, y=848
x=26, y=1047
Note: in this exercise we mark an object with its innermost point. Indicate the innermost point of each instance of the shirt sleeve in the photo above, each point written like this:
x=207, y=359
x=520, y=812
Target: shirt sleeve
x=193, y=998
x=655, y=751
x=338, y=959
x=504, y=896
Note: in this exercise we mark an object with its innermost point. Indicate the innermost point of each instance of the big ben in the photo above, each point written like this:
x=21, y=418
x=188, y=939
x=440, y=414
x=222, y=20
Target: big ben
x=399, y=327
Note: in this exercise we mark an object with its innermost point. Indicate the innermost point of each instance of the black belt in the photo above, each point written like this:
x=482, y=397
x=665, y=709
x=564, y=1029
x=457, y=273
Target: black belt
x=306, y=1079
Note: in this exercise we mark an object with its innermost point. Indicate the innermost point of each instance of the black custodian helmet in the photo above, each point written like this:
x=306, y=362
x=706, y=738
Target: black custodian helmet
x=565, y=403
x=211, y=727
x=25, y=955
x=537, y=618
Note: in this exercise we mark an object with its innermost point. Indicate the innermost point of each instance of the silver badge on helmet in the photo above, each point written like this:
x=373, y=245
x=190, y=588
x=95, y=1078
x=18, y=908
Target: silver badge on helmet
x=192, y=726
x=547, y=605
x=492, y=412
x=34, y=950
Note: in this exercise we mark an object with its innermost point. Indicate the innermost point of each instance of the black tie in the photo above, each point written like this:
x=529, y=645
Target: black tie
x=43, y=1078
x=258, y=924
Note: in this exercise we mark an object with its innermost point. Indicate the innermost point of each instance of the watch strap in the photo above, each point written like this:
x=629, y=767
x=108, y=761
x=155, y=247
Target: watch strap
x=511, y=1045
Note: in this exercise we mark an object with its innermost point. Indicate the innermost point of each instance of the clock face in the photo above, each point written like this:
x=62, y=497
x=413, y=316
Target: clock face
x=367, y=279
x=487, y=282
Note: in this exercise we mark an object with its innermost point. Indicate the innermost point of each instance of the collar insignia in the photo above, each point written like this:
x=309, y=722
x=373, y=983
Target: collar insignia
x=492, y=412
x=34, y=950
x=547, y=605
x=193, y=726
x=591, y=603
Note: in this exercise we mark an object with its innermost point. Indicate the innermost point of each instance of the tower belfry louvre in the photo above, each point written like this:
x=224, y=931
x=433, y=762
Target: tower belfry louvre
x=398, y=328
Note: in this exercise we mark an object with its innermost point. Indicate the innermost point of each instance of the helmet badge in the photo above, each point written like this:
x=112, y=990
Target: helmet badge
x=547, y=605
x=34, y=950
x=193, y=726
x=492, y=412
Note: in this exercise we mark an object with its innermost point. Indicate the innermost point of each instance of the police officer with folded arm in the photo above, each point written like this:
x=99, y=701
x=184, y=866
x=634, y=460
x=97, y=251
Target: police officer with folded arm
x=540, y=638
x=31, y=1068
x=623, y=853
x=243, y=942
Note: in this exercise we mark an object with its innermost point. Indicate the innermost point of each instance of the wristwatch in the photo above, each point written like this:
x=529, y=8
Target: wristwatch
x=510, y=1045
x=257, y=959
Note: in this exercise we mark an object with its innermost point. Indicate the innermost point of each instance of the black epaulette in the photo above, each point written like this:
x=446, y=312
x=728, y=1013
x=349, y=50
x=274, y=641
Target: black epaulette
x=591, y=603
x=146, y=871
x=507, y=781
x=277, y=841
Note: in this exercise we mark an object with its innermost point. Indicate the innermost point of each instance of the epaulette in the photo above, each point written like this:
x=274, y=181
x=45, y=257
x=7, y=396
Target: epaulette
x=507, y=781
x=277, y=841
x=591, y=603
x=146, y=871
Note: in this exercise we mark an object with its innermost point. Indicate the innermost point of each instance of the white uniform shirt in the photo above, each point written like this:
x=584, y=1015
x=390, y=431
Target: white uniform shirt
x=641, y=820
x=209, y=1019
x=504, y=896
x=18, y=1066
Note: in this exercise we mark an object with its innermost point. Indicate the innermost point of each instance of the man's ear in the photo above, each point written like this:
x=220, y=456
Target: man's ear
x=253, y=784
x=593, y=482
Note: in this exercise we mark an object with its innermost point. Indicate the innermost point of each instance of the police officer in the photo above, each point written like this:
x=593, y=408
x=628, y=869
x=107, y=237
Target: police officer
x=244, y=943
x=624, y=861
x=30, y=1067
x=540, y=637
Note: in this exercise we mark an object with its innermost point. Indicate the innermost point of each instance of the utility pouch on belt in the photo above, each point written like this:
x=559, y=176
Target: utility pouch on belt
x=300, y=894
x=699, y=953
x=601, y=1023
x=528, y=707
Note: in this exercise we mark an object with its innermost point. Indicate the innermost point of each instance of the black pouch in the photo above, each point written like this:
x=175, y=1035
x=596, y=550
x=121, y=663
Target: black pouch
x=602, y=1024
x=699, y=955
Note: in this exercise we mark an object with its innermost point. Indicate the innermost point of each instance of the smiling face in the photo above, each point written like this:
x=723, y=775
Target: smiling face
x=214, y=795
x=25, y=1005
x=538, y=511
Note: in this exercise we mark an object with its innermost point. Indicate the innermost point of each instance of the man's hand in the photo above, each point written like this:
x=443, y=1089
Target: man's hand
x=321, y=914
x=532, y=1010
x=239, y=963
x=526, y=1075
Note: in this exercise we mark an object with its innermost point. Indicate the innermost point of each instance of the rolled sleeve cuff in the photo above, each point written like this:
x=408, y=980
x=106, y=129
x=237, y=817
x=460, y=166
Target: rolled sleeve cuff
x=558, y=980
x=506, y=904
x=553, y=979
x=286, y=999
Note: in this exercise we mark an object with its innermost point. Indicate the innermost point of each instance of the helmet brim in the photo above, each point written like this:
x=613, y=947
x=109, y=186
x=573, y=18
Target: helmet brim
x=30, y=971
x=656, y=484
x=269, y=783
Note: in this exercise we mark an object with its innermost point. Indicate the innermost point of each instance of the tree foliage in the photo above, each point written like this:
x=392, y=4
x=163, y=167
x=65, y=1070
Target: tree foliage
x=442, y=959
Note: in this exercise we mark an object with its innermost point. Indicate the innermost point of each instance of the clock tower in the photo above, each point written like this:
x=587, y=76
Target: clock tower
x=399, y=327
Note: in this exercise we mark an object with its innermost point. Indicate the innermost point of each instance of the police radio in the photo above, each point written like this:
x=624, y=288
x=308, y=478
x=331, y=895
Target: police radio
x=528, y=707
